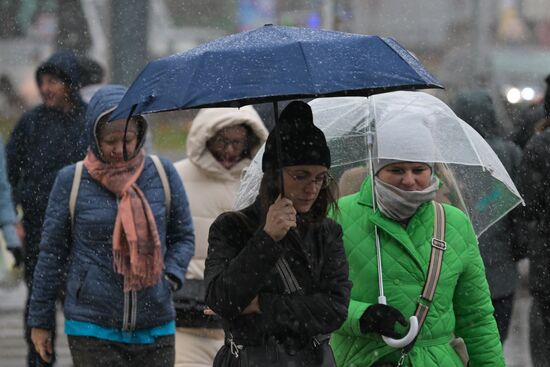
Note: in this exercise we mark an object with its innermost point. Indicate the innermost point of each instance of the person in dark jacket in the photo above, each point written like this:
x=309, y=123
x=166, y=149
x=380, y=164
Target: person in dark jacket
x=45, y=139
x=501, y=245
x=534, y=186
x=276, y=271
x=125, y=249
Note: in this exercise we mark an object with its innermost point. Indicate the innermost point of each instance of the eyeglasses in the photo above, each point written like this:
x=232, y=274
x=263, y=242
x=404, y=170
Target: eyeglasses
x=323, y=180
x=219, y=143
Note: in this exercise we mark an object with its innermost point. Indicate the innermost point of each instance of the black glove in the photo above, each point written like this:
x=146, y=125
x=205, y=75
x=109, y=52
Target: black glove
x=381, y=319
x=17, y=253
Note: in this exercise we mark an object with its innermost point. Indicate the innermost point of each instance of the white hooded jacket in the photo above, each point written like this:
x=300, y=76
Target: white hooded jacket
x=210, y=187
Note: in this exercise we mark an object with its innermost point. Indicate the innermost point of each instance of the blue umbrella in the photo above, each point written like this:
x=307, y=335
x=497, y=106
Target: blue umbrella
x=274, y=63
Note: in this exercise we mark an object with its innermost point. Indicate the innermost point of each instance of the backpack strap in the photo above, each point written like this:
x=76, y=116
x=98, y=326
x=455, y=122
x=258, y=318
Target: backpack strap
x=74, y=189
x=434, y=269
x=165, y=183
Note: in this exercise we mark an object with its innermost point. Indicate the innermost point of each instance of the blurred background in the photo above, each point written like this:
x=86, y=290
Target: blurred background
x=503, y=45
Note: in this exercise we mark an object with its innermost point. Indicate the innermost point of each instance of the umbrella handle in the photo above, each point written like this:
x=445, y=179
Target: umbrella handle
x=407, y=339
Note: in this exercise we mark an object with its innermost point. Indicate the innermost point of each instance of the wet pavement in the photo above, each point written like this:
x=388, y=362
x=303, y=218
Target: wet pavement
x=13, y=347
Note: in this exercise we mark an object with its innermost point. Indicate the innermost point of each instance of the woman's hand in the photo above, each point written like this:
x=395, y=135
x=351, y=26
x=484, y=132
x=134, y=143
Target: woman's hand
x=381, y=319
x=42, y=341
x=281, y=217
x=208, y=312
x=253, y=307
x=20, y=232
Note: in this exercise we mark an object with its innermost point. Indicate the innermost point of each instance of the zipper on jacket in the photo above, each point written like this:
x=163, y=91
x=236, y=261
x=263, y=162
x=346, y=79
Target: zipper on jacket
x=133, y=313
x=129, y=317
x=125, y=318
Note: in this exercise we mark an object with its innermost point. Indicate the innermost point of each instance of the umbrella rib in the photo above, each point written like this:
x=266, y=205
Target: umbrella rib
x=473, y=146
x=521, y=201
x=307, y=65
x=400, y=54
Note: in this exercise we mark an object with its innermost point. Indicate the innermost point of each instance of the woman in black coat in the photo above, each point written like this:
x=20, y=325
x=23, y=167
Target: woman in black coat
x=276, y=271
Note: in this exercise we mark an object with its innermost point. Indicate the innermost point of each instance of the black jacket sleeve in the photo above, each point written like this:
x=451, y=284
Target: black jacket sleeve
x=16, y=154
x=235, y=273
x=321, y=312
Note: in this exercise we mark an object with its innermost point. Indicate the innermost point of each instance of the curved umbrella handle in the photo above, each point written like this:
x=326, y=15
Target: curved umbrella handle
x=407, y=339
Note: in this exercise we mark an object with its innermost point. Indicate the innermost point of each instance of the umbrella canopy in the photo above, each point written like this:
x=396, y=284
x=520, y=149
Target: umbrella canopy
x=472, y=176
x=273, y=63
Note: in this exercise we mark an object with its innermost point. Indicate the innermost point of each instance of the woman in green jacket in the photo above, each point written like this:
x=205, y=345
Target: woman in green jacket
x=461, y=304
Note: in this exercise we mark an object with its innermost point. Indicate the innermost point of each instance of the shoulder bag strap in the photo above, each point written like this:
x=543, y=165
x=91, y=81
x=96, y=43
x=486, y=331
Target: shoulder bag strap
x=289, y=280
x=165, y=183
x=434, y=270
x=285, y=272
x=74, y=189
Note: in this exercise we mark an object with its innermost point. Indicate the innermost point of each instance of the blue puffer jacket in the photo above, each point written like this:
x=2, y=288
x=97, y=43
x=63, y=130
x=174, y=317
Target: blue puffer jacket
x=94, y=291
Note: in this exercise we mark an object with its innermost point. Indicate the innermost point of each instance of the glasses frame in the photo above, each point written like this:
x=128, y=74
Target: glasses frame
x=220, y=143
x=325, y=182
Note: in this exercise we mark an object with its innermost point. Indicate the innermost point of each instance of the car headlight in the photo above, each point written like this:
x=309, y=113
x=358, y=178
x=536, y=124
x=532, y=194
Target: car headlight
x=519, y=94
x=513, y=95
x=528, y=93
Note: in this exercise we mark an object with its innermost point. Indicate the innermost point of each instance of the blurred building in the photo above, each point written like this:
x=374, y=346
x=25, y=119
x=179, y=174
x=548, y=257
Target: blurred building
x=502, y=44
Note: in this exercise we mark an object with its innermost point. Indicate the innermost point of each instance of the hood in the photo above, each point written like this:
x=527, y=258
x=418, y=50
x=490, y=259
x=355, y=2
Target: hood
x=104, y=101
x=476, y=108
x=211, y=120
x=91, y=72
x=64, y=65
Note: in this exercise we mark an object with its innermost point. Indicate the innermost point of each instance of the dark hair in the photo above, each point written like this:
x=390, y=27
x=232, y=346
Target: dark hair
x=252, y=140
x=270, y=190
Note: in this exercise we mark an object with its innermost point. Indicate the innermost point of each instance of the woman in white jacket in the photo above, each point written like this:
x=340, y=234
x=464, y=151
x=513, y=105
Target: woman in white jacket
x=220, y=144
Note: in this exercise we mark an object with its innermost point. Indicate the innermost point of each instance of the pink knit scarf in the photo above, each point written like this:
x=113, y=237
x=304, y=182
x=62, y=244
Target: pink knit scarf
x=136, y=242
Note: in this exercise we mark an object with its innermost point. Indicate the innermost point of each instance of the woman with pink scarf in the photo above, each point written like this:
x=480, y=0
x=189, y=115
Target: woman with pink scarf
x=123, y=250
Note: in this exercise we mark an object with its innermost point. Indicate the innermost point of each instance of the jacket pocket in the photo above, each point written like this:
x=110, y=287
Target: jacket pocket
x=80, y=284
x=75, y=281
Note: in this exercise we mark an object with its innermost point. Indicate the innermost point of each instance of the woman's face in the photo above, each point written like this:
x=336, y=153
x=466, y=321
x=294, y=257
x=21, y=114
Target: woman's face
x=303, y=183
x=228, y=144
x=408, y=176
x=55, y=93
x=111, y=140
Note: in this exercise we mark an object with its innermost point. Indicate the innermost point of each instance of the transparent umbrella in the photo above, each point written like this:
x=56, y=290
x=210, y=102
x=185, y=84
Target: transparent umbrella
x=472, y=177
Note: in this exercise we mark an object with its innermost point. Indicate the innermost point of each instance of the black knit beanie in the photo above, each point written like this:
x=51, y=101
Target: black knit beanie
x=302, y=143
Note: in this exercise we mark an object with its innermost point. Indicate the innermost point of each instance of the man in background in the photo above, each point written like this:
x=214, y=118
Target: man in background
x=45, y=139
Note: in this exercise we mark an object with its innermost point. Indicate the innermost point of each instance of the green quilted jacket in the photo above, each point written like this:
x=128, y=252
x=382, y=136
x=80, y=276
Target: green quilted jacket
x=462, y=303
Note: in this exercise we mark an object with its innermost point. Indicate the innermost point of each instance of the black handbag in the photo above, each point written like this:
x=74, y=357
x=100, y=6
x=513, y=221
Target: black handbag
x=189, y=304
x=317, y=353
x=274, y=354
